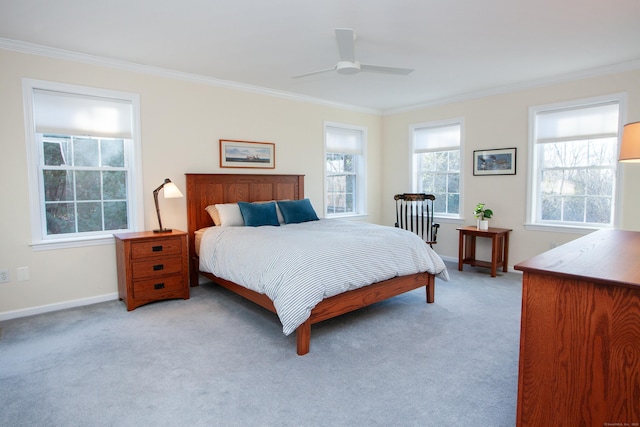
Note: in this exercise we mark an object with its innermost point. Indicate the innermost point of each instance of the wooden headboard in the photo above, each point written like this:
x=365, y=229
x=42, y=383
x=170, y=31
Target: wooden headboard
x=208, y=189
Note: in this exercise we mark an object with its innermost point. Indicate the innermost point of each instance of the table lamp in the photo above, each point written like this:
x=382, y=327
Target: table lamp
x=171, y=191
x=630, y=147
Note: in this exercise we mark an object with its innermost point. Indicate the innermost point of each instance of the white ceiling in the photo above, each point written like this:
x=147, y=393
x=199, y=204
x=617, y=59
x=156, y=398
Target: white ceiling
x=456, y=47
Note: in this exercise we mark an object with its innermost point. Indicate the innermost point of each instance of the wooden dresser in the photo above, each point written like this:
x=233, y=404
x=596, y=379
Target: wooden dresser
x=580, y=333
x=152, y=267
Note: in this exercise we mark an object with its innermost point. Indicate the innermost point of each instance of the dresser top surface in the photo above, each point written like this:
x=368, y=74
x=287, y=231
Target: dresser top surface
x=605, y=256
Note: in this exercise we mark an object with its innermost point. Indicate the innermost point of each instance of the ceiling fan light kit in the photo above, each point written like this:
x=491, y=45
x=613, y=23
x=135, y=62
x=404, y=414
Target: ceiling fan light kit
x=347, y=65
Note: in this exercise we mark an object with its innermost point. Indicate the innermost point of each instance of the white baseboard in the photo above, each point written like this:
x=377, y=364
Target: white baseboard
x=7, y=315
x=57, y=306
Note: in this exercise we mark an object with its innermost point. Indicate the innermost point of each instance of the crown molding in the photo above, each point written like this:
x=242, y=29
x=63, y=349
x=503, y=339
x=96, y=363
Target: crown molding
x=532, y=84
x=56, y=53
x=36, y=49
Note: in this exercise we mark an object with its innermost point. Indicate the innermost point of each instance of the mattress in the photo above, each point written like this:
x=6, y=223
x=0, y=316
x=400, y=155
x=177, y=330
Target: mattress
x=298, y=265
x=198, y=238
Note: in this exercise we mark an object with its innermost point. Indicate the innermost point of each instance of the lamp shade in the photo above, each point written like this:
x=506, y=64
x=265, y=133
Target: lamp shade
x=630, y=147
x=171, y=191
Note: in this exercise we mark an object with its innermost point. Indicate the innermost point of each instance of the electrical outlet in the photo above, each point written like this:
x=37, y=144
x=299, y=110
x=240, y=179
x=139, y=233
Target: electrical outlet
x=4, y=276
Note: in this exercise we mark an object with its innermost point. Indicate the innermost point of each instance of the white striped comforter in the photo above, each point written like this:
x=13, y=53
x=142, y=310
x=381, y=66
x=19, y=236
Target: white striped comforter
x=298, y=265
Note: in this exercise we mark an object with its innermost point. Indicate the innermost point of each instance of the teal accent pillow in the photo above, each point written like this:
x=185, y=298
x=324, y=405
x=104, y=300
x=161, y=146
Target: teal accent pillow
x=294, y=211
x=259, y=214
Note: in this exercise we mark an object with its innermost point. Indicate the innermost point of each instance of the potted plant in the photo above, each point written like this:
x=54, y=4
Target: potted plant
x=482, y=214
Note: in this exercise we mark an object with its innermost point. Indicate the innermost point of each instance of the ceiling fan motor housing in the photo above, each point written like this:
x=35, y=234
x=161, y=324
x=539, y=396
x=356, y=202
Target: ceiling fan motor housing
x=348, y=67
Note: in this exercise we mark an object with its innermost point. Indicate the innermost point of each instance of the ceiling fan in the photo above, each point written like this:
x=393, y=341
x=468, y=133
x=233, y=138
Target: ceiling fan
x=348, y=64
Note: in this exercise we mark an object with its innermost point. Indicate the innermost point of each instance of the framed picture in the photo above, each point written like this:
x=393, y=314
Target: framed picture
x=246, y=154
x=494, y=162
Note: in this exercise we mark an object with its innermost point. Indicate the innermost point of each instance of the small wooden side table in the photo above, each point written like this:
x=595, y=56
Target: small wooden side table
x=499, y=248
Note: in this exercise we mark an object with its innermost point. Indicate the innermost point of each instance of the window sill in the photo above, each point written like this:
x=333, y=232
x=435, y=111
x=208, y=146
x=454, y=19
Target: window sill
x=562, y=228
x=44, y=245
x=348, y=216
x=448, y=220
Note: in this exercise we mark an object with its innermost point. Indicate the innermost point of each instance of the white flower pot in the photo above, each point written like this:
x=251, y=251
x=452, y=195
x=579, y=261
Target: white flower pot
x=483, y=224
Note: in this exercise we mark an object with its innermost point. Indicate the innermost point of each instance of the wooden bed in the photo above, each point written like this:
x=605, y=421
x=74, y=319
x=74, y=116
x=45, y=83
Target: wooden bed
x=207, y=189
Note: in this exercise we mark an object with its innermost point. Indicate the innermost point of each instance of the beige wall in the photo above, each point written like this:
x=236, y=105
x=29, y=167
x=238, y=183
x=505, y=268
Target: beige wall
x=501, y=121
x=181, y=123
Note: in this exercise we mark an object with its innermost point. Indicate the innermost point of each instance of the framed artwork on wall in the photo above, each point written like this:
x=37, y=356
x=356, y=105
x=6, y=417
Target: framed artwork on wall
x=247, y=154
x=500, y=161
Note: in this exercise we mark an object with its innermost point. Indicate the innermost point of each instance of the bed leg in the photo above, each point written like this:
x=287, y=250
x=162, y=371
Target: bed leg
x=431, y=287
x=303, y=338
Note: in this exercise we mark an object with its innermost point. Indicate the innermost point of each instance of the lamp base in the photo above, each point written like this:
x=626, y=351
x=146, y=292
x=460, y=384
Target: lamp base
x=164, y=230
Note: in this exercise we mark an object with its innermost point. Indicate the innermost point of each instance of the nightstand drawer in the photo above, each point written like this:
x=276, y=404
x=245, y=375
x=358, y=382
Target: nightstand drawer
x=158, y=247
x=150, y=288
x=160, y=266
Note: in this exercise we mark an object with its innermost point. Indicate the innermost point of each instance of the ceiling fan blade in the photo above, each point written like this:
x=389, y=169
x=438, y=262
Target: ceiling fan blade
x=385, y=70
x=346, y=37
x=348, y=64
x=314, y=72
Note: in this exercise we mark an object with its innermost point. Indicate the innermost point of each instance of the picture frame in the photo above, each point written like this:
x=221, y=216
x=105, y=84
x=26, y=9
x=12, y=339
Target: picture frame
x=500, y=161
x=247, y=154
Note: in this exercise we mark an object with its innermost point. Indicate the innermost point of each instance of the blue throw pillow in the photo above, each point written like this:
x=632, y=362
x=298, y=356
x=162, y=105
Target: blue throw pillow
x=258, y=214
x=294, y=211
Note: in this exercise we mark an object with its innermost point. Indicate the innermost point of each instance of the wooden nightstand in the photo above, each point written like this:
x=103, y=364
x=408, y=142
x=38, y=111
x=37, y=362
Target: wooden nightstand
x=152, y=267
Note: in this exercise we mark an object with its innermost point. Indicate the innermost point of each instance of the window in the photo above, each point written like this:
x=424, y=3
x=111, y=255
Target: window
x=573, y=171
x=436, y=164
x=344, y=170
x=84, y=182
x=83, y=164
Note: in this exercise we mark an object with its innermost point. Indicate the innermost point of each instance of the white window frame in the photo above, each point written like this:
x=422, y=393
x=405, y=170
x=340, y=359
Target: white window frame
x=532, y=221
x=361, y=172
x=39, y=239
x=458, y=121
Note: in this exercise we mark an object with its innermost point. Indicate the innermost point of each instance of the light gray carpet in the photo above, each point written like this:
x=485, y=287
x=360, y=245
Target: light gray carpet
x=217, y=360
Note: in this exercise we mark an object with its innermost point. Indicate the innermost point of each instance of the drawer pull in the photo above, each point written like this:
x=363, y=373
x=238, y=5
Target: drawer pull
x=158, y=267
x=158, y=286
x=156, y=248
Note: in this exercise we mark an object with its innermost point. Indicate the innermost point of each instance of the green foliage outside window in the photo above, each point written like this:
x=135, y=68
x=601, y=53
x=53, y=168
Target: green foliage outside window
x=85, y=184
x=439, y=174
x=341, y=183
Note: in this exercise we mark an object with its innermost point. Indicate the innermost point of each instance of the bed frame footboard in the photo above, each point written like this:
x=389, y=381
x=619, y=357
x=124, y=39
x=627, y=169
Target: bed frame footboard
x=339, y=304
x=362, y=297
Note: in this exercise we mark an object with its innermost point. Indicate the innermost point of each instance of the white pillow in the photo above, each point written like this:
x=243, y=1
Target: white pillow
x=280, y=217
x=213, y=213
x=230, y=215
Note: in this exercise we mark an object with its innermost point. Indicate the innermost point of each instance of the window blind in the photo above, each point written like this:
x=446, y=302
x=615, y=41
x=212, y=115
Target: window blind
x=346, y=141
x=438, y=138
x=589, y=122
x=72, y=114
